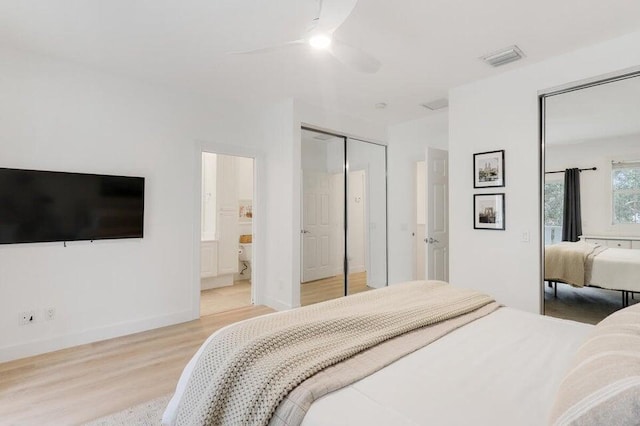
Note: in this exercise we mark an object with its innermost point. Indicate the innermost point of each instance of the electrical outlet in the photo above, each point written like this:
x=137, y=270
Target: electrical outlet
x=26, y=317
x=50, y=314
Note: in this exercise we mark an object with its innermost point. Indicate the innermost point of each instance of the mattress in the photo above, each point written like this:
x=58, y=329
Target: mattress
x=617, y=269
x=502, y=369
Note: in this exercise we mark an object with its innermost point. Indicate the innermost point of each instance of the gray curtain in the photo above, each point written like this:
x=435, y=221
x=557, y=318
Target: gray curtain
x=572, y=215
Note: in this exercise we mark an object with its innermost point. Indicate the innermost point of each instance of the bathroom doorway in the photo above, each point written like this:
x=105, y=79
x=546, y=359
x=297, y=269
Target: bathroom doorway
x=226, y=243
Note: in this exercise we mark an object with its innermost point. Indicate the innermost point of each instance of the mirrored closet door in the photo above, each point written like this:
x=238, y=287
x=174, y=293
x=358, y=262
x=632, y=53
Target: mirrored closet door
x=344, y=217
x=367, y=214
x=591, y=187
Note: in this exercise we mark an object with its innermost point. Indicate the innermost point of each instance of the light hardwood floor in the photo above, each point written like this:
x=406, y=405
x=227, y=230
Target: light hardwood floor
x=225, y=299
x=86, y=382
x=239, y=294
x=332, y=288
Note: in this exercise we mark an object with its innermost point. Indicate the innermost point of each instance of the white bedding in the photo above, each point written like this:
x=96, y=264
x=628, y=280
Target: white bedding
x=502, y=369
x=465, y=378
x=617, y=269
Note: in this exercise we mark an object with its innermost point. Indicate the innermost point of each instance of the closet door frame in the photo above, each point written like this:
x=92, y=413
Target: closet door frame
x=345, y=141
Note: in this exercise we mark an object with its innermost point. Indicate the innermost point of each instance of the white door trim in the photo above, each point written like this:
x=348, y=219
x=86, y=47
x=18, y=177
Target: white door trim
x=259, y=224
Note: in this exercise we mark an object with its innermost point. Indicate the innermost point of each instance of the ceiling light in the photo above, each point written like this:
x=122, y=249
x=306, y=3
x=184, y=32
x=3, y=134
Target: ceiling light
x=503, y=56
x=381, y=105
x=437, y=104
x=320, y=41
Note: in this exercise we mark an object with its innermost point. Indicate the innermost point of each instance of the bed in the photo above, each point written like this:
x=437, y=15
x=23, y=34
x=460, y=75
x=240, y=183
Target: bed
x=588, y=264
x=503, y=367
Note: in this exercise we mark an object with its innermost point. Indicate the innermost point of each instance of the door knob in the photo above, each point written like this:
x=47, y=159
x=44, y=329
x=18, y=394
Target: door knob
x=304, y=231
x=431, y=240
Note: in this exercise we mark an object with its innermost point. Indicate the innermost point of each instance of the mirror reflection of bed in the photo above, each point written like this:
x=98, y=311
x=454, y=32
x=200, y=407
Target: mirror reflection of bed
x=592, y=200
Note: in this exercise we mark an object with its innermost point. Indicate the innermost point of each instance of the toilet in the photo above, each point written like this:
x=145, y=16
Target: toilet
x=244, y=252
x=244, y=256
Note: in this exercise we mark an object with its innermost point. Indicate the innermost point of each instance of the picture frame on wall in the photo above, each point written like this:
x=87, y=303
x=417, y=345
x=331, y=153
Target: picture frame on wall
x=488, y=169
x=245, y=211
x=489, y=211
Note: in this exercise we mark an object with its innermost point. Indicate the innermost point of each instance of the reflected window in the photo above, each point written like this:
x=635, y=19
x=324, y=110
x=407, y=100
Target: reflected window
x=625, y=180
x=553, y=207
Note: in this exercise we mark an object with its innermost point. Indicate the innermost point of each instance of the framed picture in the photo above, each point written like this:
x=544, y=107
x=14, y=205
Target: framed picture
x=488, y=169
x=488, y=211
x=245, y=213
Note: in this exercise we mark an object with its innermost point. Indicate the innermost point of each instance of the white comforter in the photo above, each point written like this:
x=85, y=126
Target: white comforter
x=502, y=369
x=617, y=269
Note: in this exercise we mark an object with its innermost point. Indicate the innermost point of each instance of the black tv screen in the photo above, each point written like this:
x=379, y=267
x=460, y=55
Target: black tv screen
x=42, y=206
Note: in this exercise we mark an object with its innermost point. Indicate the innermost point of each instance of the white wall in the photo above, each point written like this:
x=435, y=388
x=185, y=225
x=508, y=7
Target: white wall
x=56, y=115
x=407, y=145
x=502, y=113
x=595, y=186
x=280, y=197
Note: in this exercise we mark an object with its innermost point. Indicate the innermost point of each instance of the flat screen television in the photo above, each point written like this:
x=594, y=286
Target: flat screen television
x=42, y=206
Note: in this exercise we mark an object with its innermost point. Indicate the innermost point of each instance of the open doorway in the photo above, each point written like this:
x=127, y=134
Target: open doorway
x=226, y=246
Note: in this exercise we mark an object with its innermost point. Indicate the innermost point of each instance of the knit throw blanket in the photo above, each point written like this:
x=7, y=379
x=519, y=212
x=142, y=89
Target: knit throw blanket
x=248, y=369
x=570, y=262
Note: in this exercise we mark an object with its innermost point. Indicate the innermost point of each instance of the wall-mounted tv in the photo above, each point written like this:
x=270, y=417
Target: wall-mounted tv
x=43, y=206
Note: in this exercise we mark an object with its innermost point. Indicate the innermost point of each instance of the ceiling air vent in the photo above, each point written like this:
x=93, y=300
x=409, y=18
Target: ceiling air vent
x=504, y=56
x=437, y=104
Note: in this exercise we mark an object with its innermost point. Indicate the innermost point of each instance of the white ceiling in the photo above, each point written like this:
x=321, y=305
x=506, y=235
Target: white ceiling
x=600, y=112
x=426, y=46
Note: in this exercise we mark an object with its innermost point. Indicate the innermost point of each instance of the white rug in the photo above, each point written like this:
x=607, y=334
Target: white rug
x=146, y=414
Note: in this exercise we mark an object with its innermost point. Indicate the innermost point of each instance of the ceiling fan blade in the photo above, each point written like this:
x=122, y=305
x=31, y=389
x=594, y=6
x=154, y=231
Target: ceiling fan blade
x=332, y=14
x=268, y=49
x=354, y=57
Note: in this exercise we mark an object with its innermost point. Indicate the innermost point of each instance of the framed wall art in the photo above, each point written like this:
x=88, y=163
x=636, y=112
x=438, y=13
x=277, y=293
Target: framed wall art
x=488, y=211
x=245, y=211
x=488, y=169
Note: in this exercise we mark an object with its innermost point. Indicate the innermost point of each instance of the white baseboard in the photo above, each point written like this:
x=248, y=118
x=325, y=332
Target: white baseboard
x=216, y=282
x=278, y=305
x=37, y=347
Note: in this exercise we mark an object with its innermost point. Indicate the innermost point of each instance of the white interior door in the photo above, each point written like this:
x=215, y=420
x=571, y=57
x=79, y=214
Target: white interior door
x=421, y=194
x=316, y=229
x=437, y=215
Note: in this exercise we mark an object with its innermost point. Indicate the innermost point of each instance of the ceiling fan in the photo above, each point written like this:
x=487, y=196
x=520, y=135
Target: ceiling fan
x=320, y=35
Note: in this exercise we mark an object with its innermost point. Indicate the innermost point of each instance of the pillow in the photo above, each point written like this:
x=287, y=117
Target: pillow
x=602, y=386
